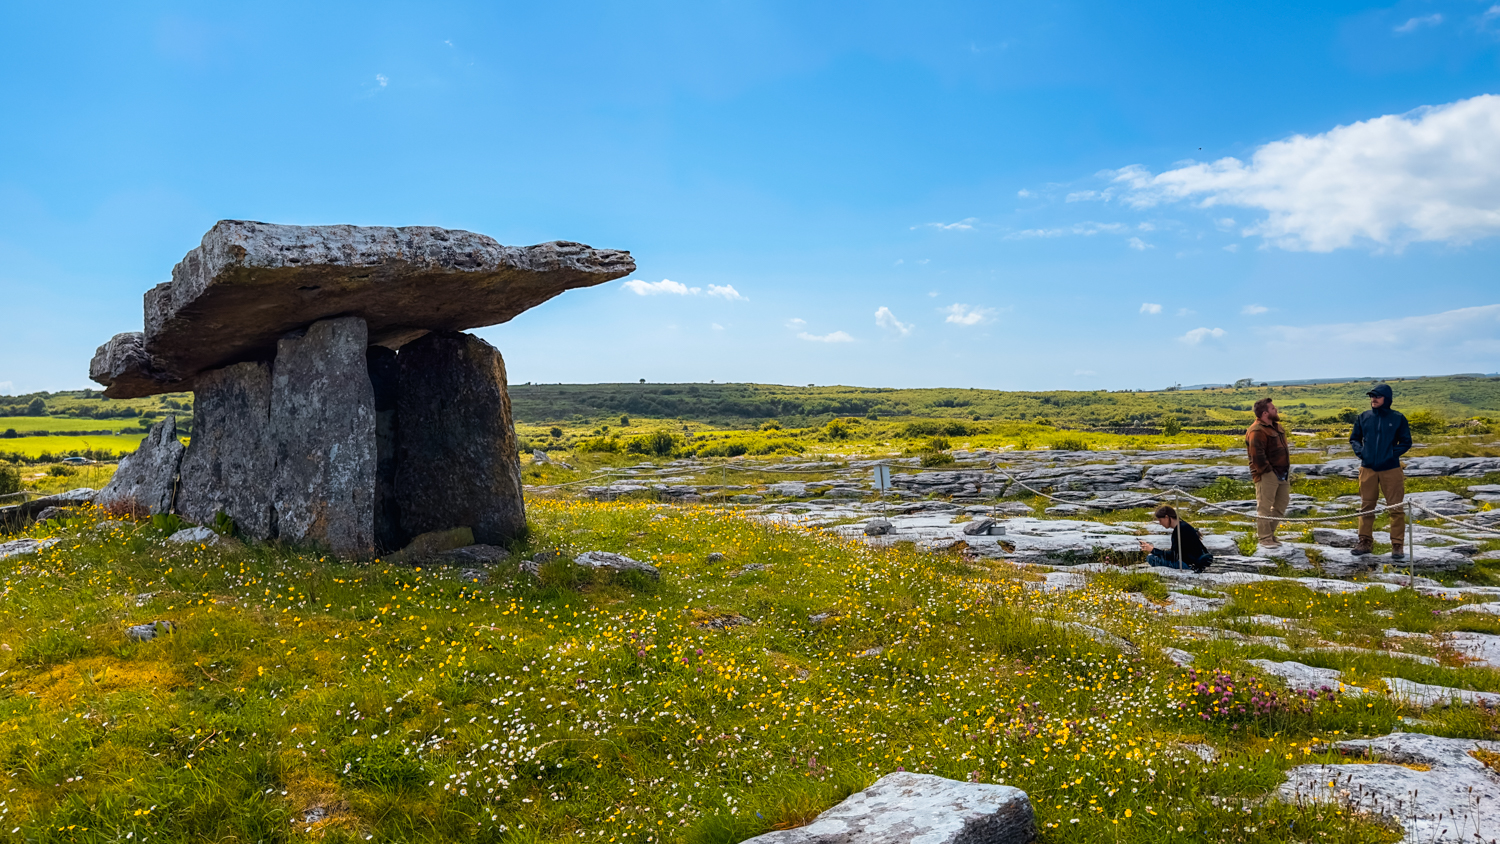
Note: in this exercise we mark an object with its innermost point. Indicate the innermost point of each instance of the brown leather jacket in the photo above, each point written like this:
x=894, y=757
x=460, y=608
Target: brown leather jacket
x=1268, y=450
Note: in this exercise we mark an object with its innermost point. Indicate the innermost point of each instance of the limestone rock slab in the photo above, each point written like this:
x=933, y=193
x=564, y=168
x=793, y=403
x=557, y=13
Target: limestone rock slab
x=247, y=283
x=456, y=463
x=147, y=477
x=322, y=428
x=229, y=463
x=1456, y=799
x=909, y=808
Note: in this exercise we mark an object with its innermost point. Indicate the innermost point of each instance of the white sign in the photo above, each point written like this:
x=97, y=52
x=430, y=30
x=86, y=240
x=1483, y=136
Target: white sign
x=882, y=478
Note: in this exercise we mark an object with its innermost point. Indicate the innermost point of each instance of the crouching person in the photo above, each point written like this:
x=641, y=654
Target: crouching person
x=1187, y=551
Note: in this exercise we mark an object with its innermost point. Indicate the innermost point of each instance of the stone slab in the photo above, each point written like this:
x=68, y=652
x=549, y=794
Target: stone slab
x=910, y=808
x=229, y=463
x=322, y=427
x=146, y=480
x=456, y=458
x=247, y=284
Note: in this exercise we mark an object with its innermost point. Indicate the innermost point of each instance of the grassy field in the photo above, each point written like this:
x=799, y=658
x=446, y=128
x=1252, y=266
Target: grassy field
x=61, y=423
x=301, y=698
x=62, y=446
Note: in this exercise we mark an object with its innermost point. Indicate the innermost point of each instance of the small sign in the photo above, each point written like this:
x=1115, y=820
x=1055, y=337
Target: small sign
x=882, y=478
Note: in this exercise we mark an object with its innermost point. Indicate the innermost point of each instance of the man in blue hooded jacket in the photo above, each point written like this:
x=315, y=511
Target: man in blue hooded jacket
x=1379, y=438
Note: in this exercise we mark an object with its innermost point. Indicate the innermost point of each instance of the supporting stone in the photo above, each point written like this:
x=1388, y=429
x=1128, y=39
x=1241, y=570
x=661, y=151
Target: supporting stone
x=229, y=463
x=457, y=464
x=322, y=427
x=146, y=480
x=385, y=381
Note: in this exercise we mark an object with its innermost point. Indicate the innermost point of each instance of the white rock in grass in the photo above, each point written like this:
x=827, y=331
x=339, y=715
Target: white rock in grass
x=17, y=547
x=908, y=808
x=1480, y=648
x=1179, y=657
x=616, y=562
x=1457, y=799
x=1424, y=696
x=196, y=536
x=1303, y=678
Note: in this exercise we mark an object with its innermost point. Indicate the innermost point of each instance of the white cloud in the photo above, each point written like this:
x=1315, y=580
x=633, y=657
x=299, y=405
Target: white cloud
x=727, y=292
x=1254, y=310
x=1150, y=308
x=381, y=78
x=1185, y=312
x=1432, y=174
x=835, y=337
x=1138, y=244
x=1233, y=247
x=715, y=326
x=885, y=319
x=1466, y=339
x=1415, y=24
x=965, y=224
x=1197, y=335
x=796, y=322
x=1023, y=193
x=1146, y=227
x=666, y=285
x=967, y=314
x=1087, y=196
x=1088, y=229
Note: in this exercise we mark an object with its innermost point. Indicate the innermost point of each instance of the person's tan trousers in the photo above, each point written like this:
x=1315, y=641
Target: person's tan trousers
x=1392, y=484
x=1271, y=497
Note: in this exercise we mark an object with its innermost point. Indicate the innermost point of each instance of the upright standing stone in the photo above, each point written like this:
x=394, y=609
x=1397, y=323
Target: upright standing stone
x=228, y=465
x=322, y=429
x=385, y=380
x=456, y=463
x=146, y=479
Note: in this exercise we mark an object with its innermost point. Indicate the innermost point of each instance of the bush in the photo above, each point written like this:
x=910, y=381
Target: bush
x=1426, y=422
x=659, y=443
x=838, y=429
x=770, y=425
x=606, y=444
x=555, y=432
x=62, y=471
x=10, y=480
x=937, y=458
x=937, y=427
x=36, y=408
x=1171, y=426
x=1070, y=444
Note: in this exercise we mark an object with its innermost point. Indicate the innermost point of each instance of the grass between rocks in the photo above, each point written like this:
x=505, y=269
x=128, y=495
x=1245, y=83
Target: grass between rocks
x=302, y=698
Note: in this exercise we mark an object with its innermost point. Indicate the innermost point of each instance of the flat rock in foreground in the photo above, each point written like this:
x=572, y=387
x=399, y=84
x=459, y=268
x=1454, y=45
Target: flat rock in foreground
x=907, y=808
x=248, y=284
x=1457, y=799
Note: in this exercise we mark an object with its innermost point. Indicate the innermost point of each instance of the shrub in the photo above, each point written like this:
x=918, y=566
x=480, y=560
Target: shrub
x=555, y=432
x=937, y=458
x=606, y=444
x=1171, y=426
x=1426, y=422
x=659, y=443
x=1070, y=444
x=838, y=429
x=62, y=471
x=937, y=427
x=770, y=425
x=10, y=480
x=624, y=421
x=36, y=408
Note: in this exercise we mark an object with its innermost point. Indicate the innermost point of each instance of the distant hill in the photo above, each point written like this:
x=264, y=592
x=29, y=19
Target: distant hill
x=736, y=405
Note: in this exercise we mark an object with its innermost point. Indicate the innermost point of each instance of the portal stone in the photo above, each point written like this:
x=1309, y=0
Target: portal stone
x=322, y=430
x=146, y=479
x=385, y=380
x=457, y=464
x=229, y=463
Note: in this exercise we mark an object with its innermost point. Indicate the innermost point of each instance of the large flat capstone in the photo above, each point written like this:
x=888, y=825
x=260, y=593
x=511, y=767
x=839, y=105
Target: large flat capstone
x=247, y=284
x=908, y=808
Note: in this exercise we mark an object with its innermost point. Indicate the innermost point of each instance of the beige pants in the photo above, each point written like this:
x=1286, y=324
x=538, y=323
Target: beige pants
x=1271, y=497
x=1392, y=484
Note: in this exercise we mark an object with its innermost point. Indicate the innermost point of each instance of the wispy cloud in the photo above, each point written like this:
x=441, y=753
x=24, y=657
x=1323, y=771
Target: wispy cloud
x=1448, y=341
x=1254, y=310
x=715, y=326
x=834, y=337
x=1414, y=24
x=1138, y=244
x=796, y=322
x=1150, y=308
x=1432, y=174
x=1198, y=335
x=1088, y=229
x=726, y=292
x=1023, y=193
x=967, y=314
x=887, y=320
x=654, y=288
x=382, y=80
x=965, y=224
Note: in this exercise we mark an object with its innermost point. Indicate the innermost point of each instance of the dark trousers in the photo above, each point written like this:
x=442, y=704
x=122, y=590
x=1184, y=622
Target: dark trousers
x=1157, y=558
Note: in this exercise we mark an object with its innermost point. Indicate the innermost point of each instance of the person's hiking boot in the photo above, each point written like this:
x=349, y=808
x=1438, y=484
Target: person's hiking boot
x=1364, y=546
x=1397, y=552
x=1273, y=544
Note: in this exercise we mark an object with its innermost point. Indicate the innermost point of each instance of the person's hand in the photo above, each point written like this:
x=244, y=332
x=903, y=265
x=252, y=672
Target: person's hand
x=1146, y=546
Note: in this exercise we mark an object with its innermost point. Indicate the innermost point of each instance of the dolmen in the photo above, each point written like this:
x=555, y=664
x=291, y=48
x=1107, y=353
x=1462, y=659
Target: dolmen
x=338, y=403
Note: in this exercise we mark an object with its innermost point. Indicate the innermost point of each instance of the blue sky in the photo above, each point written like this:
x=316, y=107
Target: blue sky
x=1036, y=196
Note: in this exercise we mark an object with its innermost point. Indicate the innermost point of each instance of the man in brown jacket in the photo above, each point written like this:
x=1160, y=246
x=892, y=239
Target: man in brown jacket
x=1270, y=469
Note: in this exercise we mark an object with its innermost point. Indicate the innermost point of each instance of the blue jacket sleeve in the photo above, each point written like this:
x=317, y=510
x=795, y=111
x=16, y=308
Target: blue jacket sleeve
x=1403, y=438
x=1357, y=437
